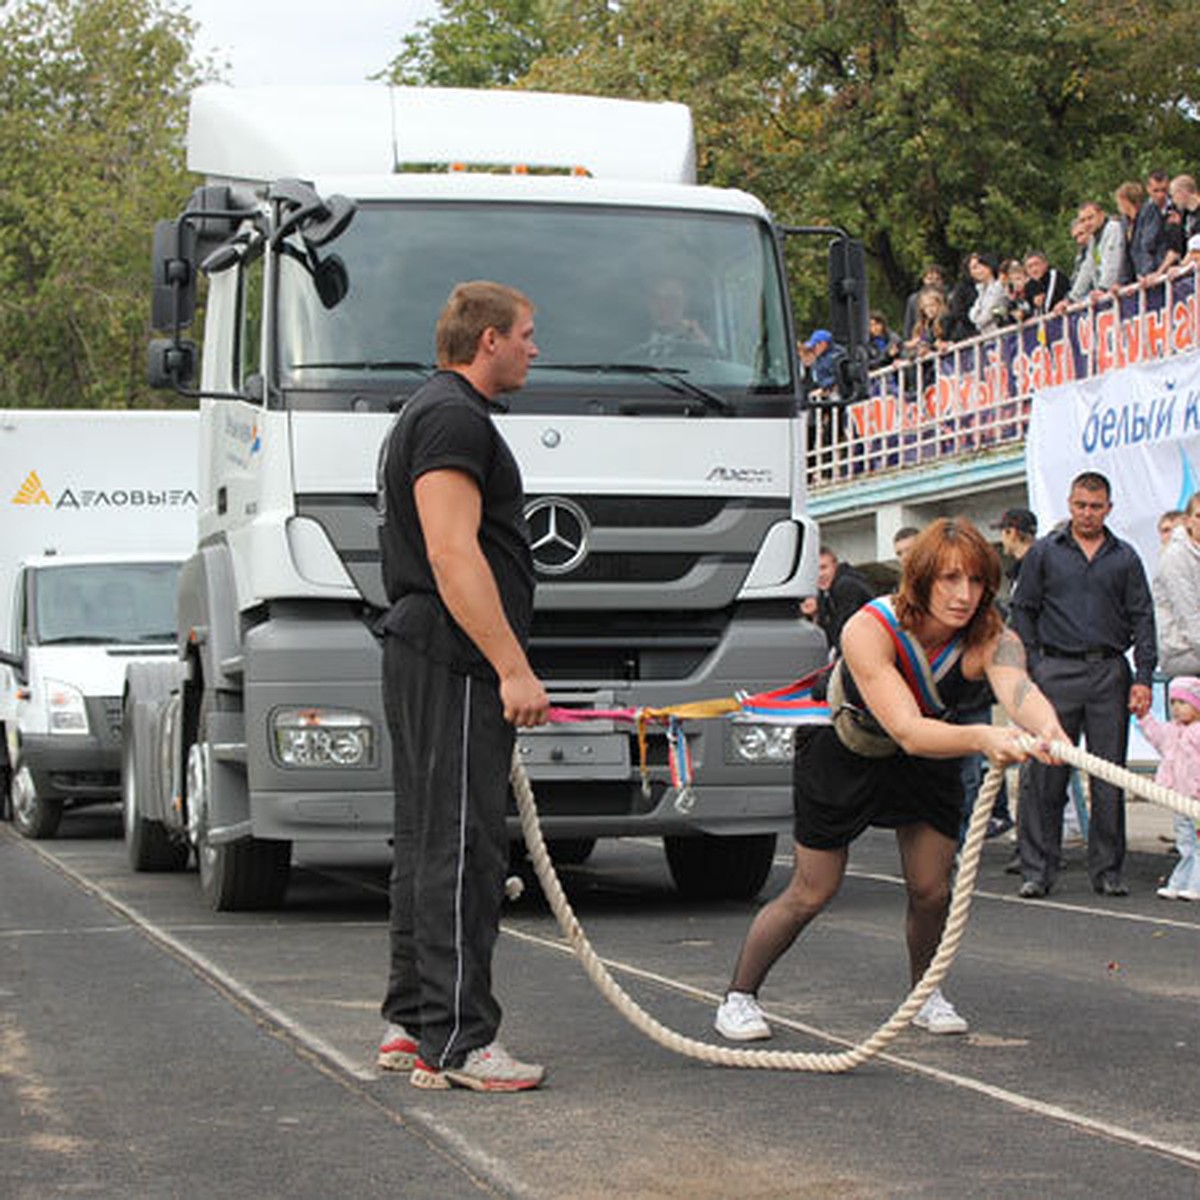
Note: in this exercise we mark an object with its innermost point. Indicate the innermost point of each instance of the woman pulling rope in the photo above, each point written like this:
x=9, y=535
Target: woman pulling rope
x=891, y=756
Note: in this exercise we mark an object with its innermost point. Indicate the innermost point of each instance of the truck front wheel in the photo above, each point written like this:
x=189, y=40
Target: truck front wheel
x=247, y=873
x=250, y=873
x=34, y=816
x=706, y=867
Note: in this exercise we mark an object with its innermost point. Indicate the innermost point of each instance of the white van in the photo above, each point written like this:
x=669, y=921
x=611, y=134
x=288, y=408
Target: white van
x=99, y=510
x=78, y=622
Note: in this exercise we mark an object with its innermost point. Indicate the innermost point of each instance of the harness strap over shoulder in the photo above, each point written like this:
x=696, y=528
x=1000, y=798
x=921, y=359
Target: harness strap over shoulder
x=920, y=672
x=856, y=728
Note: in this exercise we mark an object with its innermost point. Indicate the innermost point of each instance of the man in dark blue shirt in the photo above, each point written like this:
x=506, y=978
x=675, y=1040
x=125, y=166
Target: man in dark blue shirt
x=1083, y=601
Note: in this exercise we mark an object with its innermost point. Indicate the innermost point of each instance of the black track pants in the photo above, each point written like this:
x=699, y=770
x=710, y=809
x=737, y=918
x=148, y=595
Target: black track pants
x=451, y=749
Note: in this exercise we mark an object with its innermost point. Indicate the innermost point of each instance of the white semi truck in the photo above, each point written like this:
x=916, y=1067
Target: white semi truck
x=658, y=435
x=100, y=512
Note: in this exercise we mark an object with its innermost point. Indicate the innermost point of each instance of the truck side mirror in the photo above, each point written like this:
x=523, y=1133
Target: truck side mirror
x=848, y=305
x=173, y=300
x=16, y=661
x=170, y=363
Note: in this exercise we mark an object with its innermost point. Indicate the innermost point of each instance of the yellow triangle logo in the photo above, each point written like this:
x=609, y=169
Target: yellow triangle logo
x=31, y=491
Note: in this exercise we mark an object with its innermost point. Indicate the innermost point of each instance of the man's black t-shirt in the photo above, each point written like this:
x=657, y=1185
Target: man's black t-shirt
x=447, y=425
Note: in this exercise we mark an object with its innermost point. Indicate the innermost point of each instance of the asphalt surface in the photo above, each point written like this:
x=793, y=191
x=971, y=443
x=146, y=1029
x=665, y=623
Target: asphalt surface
x=151, y=1048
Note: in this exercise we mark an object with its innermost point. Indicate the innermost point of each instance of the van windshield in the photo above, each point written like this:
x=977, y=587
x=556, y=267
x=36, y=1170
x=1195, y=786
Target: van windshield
x=127, y=603
x=682, y=307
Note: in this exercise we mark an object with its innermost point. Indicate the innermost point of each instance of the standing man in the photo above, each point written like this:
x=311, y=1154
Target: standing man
x=902, y=542
x=456, y=680
x=1185, y=200
x=1018, y=530
x=1177, y=596
x=821, y=355
x=1102, y=263
x=841, y=592
x=1083, y=600
x=1046, y=286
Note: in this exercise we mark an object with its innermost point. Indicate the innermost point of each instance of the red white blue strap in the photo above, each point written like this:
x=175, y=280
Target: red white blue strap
x=921, y=674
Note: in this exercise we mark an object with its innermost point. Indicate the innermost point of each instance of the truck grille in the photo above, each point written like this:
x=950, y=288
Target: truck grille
x=647, y=553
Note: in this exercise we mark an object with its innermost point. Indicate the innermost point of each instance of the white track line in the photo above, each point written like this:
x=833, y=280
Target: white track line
x=209, y=969
x=496, y=1173
x=785, y=860
x=1026, y=1104
x=324, y=1050
x=1087, y=910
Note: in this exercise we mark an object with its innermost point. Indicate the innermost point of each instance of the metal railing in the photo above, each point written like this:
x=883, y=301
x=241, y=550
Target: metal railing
x=974, y=398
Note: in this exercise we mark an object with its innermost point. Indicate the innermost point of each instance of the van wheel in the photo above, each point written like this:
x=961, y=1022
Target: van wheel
x=34, y=816
x=706, y=867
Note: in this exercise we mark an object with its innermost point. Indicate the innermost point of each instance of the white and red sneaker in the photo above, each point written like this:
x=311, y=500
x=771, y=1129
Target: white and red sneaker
x=398, y=1050
x=488, y=1069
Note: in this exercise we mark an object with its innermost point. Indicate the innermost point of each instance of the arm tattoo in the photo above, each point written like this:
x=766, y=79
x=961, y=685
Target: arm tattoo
x=1010, y=651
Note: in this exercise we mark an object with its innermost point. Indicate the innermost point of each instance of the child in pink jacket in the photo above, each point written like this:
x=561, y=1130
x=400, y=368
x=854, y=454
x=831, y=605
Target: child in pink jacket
x=1179, y=745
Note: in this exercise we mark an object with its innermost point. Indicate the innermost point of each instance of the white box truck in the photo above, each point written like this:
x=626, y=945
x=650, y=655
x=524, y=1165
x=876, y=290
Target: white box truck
x=659, y=438
x=100, y=512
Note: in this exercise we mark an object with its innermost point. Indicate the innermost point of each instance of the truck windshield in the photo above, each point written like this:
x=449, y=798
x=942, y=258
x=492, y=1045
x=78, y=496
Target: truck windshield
x=129, y=603
x=633, y=304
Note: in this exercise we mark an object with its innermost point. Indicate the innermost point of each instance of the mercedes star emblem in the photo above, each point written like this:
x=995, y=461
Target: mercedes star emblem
x=558, y=534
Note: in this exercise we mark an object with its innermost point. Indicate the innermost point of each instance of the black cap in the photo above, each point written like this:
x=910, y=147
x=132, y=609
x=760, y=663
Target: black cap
x=1020, y=519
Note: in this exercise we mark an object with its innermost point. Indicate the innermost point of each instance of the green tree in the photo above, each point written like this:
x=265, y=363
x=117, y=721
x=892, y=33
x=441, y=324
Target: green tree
x=92, y=112
x=474, y=44
x=927, y=127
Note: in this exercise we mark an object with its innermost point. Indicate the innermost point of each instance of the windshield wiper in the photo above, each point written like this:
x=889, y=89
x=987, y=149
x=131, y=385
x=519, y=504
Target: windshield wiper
x=673, y=378
x=77, y=639
x=382, y=364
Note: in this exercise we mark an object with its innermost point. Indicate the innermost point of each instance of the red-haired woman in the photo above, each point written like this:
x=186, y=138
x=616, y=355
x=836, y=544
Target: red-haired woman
x=891, y=758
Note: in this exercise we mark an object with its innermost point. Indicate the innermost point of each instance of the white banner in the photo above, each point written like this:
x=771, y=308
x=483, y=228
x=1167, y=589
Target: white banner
x=1139, y=427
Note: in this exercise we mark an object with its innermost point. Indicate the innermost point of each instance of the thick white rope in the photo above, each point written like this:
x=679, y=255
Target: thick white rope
x=779, y=1060
x=952, y=934
x=1121, y=777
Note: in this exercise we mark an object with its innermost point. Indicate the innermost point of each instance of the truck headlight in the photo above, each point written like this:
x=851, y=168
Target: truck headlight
x=65, y=709
x=322, y=737
x=749, y=742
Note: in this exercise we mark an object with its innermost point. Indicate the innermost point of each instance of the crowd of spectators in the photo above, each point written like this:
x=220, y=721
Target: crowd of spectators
x=1154, y=231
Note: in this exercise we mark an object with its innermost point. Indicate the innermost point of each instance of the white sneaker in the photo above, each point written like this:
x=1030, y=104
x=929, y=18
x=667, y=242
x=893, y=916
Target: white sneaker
x=938, y=1015
x=1189, y=894
x=741, y=1020
x=1169, y=893
x=488, y=1069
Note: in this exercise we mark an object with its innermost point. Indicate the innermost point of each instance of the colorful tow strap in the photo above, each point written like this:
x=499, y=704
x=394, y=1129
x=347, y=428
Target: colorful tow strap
x=790, y=705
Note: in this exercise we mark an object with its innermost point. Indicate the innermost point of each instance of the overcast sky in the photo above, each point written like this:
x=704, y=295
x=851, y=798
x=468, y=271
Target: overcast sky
x=273, y=41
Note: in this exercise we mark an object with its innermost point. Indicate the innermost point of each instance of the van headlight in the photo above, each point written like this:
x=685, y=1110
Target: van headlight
x=750, y=742
x=65, y=708
x=322, y=737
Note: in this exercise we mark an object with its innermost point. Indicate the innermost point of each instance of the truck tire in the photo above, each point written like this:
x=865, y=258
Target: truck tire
x=245, y=874
x=148, y=843
x=570, y=852
x=706, y=867
x=34, y=816
x=251, y=873
x=5, y=796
